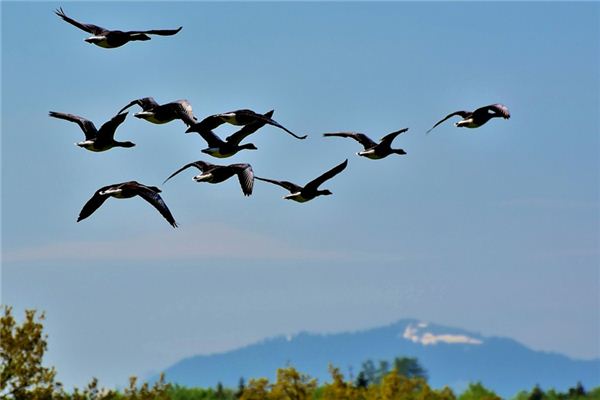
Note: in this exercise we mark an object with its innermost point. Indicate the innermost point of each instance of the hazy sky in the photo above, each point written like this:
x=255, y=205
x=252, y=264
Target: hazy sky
x=495, y=230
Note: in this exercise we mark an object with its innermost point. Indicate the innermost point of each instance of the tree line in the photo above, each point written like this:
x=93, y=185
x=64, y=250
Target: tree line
x=24, y=377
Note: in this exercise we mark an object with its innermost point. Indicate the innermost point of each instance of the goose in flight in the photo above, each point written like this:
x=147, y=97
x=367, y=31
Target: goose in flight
x=239, y=117
x=474, y=119
x=311, y=189
x=220, y=148
x=163, y=113
x=110, y=39
x=127, y=190
x=96, y=139
x=212, y=173
x=372, y=150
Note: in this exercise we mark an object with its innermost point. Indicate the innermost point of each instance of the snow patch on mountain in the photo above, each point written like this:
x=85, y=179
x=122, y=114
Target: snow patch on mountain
x=417, y=334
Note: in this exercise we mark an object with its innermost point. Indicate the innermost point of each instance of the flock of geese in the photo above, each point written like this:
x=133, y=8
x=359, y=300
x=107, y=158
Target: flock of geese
x=103, y=139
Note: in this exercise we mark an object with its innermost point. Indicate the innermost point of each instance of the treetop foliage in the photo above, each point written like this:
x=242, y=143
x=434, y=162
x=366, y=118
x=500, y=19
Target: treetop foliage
x=24, y=377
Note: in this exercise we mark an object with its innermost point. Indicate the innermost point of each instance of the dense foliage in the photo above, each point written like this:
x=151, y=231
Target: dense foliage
x=23, y=377
x=22, y=348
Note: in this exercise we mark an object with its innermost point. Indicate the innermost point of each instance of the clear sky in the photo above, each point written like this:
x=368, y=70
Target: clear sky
x=495, y=230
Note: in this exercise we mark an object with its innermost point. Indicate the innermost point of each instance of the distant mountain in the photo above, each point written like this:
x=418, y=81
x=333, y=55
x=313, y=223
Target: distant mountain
x=452, y=357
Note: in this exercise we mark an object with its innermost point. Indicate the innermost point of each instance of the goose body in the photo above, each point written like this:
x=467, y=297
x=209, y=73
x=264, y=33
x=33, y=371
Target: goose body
x=227, y=151
x=302, y=194
x=163, y=113
x=126, y=190
x=371, y=154
x=212, y=173
x=231, y=145
x=372, y=150
x=96, y=140
x=477, y=118
x=240, y=118
x=110, y=39
x=300, y=198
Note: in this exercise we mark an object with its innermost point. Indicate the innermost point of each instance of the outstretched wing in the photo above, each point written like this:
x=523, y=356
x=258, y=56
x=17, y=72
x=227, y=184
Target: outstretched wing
x=499, y=109
x=146, y=103
x=463, y=114
x=183, y=110
x=161, y=32
x=277, y=124
x=201, y=165
x=211, y=138
x=107, y=130
x=361, y=138
x=315, y=183
x=389, y=138
x=245, y=176
x=94, y=29
x=93, y=204
x=157, y=202
x=249, y=129
x=292, y=187
x=207, y=124
x=87, y=126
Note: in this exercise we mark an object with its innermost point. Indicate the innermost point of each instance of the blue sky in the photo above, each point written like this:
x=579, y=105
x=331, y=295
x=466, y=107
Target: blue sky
x=494, y=230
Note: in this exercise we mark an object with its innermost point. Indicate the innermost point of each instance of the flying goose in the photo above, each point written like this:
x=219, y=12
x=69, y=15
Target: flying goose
x=239, y=117
x=127, y=190
x=163, y=113
x=110, y=39
x=96, y=140
x=374, y=151
x=231, y=145
x=311, y=189
x=474, y=119
x=212, y=173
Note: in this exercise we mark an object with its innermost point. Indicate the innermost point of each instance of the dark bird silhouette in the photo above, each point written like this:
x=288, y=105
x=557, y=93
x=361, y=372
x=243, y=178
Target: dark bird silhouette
x=163, y=113
x=127, y=190
x=212, y=173
x=110, y=39
x=374, y=151
x=311, y=189
x=96, y=140
x=474, y=119
x=231, y=145
x=239, y=117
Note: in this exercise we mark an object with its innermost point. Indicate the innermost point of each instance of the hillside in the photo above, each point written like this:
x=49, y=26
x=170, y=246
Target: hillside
x=451, y=357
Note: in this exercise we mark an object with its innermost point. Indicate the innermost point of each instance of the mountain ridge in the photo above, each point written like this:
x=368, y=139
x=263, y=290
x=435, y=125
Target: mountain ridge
x=452, y=357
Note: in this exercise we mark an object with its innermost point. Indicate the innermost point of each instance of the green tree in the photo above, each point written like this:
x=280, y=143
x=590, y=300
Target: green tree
x=446, y=394
x=341, y=389
x=23, y=377
x=158, y=391
x=292, y=385
x=476, y=391
x=91, y=392
x=383, y=370
x=577, y=391
x=396, y=387
x=537, y=393
x=593, y=394
x=177, y=392
x=369, y=371
x=219, y=392
x=22, y=347
x=257, y=389
x=409, y=367
x=241, y=387
x=361, y=380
